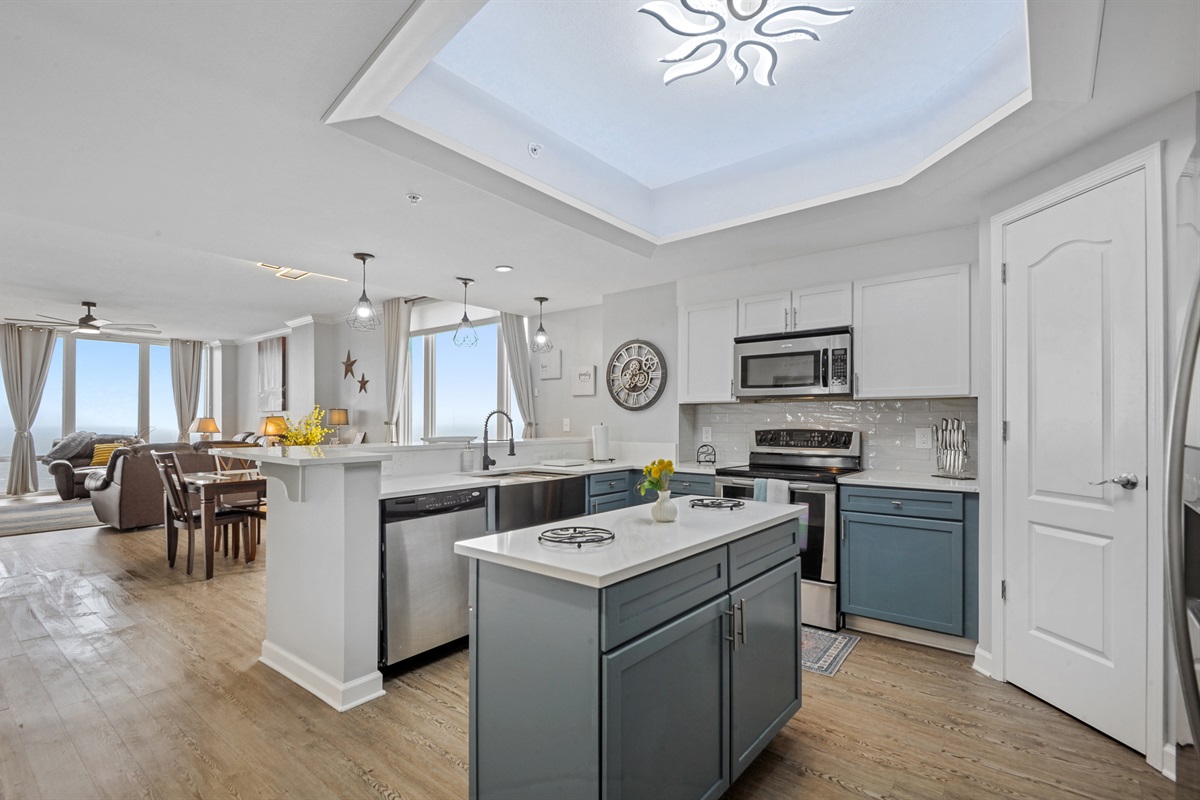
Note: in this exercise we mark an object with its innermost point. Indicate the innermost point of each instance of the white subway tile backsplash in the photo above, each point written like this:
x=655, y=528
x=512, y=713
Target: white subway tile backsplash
x=888, y=426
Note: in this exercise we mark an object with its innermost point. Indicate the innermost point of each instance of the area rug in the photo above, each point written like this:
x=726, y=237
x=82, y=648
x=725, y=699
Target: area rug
x=18, y=518
x=823, y=652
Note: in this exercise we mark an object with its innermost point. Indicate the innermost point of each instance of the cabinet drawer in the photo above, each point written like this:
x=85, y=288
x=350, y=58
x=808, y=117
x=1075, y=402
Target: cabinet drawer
x=607, y=482
x=689, y=483
x=632, y=607
x=753, y=555
x=903, y=502
x=609, y=502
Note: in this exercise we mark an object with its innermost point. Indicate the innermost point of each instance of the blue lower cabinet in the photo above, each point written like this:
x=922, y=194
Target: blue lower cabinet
x=765, y=667
x=608, y=491
x=666, y=706
x=905, y=570
x=608, y=502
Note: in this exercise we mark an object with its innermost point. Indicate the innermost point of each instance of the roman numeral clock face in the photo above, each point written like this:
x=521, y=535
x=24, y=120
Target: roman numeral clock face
x=636, y=375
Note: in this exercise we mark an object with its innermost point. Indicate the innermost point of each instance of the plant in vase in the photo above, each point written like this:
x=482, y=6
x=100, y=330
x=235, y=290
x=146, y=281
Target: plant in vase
x=308, y=431
x=657, y=476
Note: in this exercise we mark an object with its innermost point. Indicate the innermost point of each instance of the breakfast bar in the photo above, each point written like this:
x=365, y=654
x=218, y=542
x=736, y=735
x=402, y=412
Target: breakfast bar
x=657, y=663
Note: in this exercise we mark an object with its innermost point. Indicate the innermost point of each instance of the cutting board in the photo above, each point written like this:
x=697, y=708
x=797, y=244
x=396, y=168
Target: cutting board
x=564, y=462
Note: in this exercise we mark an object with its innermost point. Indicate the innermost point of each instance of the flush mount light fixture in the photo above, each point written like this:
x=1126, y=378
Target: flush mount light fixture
x=541, y=342
x=414, y=198
x=363, y=316
x=465, y=335
x=729, y=29
x=502, y=268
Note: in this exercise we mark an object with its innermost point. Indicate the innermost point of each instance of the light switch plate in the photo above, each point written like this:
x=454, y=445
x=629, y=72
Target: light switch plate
x=566, y=425
x=706, y=434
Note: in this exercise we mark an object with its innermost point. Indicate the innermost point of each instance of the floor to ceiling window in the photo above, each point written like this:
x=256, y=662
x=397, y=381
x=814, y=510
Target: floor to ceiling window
x=106, y=386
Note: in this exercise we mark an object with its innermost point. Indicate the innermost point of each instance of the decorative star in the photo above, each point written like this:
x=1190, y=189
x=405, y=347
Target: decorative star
x=349, y=365
x=362, y=384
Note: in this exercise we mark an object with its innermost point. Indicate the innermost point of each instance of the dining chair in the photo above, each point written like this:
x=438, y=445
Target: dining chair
x=253, y=504
x=178, y=511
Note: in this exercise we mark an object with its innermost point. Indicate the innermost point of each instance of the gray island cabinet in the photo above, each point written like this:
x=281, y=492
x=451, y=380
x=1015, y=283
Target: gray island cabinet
x=657, y=665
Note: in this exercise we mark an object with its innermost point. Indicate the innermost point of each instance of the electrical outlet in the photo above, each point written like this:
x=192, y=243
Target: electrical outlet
x=537, y=392
x=566, y=425
x=385, y=467
x=924, y=438
x=706, y=434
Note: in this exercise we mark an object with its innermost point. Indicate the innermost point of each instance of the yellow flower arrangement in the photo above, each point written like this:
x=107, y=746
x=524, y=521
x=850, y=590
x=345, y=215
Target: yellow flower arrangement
x=307, y=431
x=657, y=475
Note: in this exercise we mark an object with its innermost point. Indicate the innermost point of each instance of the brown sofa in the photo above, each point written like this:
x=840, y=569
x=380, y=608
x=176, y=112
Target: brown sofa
x=129, y=493
x=71, y=473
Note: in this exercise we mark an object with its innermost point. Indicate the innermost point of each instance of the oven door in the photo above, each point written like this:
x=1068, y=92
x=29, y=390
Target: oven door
x=819, y=548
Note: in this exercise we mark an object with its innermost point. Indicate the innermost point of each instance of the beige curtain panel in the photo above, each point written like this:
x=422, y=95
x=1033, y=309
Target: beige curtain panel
x=397, y=324
x=186, y=360
x=513, y=328
x=25, y=361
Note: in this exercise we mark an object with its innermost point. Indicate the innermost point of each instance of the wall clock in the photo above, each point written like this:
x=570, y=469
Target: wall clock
x=636, y=375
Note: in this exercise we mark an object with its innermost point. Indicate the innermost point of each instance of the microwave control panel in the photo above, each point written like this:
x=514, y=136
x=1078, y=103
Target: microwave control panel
x=839, y=366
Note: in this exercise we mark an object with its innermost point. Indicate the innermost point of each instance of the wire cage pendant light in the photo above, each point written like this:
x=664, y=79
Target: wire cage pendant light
x=363, y=316
x=464, y=334
x=540, y=343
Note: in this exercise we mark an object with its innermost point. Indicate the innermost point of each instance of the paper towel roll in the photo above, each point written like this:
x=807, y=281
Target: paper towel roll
x=599, y=443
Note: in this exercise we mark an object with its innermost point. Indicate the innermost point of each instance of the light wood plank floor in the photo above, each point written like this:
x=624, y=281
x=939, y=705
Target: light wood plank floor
x=122, y=678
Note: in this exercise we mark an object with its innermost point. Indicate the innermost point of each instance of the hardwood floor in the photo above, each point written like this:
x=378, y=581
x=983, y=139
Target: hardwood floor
x=122, y=678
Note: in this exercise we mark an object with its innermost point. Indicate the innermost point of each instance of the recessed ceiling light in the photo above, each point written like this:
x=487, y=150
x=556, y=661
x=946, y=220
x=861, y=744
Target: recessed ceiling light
x=414, y=198
x=503, y=268
x=293, y=274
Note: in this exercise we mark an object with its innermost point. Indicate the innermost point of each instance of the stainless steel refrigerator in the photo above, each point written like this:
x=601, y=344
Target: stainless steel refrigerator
x=1183, y=562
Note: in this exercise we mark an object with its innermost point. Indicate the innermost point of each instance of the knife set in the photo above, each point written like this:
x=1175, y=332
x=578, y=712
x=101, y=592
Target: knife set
x=951, y=443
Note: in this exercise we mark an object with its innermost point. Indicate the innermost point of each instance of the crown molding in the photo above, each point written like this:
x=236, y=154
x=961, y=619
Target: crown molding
x=268, y=335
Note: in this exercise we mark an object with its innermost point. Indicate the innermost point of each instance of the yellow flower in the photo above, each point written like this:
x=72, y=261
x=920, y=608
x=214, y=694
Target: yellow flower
x=656, y=471
x=670, y=466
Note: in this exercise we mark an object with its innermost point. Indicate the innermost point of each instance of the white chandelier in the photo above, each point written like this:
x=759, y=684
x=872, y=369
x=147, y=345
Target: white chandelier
x=732, y=27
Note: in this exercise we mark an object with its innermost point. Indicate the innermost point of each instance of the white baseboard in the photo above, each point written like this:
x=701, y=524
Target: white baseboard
x=983, y=662
x=1168, y=760
x=942, y=641
x=342, y=696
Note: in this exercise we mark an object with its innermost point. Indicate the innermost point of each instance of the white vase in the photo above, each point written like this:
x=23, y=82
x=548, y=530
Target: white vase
x=663, y=509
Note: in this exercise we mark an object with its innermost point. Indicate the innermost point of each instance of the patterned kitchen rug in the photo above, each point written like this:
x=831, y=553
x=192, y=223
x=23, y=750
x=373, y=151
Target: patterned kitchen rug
x=823, y=652
x=18, y=517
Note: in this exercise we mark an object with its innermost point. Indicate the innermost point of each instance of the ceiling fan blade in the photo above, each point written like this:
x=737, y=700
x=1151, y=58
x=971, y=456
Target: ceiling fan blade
x=131, y=330
x=107, y=324
x=42, y=322
x=55, y=319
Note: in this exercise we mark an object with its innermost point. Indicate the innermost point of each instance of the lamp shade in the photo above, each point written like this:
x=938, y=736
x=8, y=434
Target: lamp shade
x=338, y=416
x=275, y=426
x=207, y=425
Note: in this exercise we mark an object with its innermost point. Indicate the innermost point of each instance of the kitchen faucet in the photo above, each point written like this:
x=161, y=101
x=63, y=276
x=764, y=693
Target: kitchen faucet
x=488, y=461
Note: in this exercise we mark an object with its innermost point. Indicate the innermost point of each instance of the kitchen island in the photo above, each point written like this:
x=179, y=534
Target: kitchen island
x=658, y=664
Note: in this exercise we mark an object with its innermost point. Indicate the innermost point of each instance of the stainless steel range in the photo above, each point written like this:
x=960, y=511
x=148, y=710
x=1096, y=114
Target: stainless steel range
x=810, y=461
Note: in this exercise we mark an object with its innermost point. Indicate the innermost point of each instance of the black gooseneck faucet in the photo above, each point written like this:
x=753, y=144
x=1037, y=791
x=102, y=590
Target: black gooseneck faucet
x=488, y=461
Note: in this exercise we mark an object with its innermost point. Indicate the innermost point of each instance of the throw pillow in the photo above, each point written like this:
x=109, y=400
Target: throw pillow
x=69, y=446
x=102, y=454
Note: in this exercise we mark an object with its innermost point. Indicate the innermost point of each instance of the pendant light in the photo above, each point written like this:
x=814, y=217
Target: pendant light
x=465, y=335
x=363, y=316
x=541, y=342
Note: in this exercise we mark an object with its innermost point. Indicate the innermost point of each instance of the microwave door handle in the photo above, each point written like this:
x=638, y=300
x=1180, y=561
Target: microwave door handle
x=825, y=368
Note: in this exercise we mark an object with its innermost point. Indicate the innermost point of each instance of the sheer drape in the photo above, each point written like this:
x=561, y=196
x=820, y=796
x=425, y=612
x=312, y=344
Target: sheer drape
x=270, y=374
x=25, y=360
x=516, y=346
x=186, y=360
x=397, y=323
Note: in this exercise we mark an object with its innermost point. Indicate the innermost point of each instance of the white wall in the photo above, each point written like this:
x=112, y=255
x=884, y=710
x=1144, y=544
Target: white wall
x=578, y=335
x=336, y=390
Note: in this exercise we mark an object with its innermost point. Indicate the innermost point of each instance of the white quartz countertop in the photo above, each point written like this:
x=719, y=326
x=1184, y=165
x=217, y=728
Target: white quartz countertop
x=639, y=543
x=903, y=479
x=408, y=485
x=307, y=456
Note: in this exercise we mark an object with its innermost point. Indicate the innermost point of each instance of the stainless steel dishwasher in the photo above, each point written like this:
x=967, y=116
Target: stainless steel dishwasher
x=423, y=591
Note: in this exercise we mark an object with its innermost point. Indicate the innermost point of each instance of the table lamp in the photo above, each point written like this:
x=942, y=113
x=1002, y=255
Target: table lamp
x=206, y=427
x=274, y=427
x=337, y=418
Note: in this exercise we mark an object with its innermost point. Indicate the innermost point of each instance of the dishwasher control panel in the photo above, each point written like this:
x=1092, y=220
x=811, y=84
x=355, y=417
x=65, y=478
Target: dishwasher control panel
x=444, y=500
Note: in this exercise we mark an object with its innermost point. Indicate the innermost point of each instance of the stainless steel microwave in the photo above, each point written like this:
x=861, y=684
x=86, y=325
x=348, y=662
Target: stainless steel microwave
x=808, y=364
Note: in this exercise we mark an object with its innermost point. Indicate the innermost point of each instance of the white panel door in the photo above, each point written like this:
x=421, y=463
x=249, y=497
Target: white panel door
x=764, y=313
x=1075, y=553
x=706, y=352
x=822, y=307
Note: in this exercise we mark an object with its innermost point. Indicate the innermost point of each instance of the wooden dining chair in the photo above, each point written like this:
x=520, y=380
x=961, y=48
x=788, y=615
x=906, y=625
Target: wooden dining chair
x=179, y=513
x=253, y=504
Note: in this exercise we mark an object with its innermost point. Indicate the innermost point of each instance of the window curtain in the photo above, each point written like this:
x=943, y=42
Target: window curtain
x=516, y=346
x=25, y=361
x=186, y=360
x=397, y=324
x=271, y=366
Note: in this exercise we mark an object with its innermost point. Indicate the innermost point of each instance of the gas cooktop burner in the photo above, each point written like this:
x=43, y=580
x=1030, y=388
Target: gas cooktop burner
x=577, y=535
x=717, y=503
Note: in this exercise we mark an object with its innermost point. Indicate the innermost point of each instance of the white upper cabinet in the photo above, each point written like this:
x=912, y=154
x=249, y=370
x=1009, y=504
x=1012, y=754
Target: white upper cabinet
x=912, y=334
x=797, y=310
x=706, y=334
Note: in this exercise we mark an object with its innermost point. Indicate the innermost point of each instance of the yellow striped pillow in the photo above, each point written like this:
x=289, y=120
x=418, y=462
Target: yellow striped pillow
x=103, y=453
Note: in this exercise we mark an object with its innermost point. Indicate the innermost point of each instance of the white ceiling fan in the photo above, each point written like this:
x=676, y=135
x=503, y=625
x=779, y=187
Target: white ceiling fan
x=89, y=323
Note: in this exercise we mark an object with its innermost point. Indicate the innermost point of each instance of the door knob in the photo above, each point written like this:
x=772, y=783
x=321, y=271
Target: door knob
x=1126, y=480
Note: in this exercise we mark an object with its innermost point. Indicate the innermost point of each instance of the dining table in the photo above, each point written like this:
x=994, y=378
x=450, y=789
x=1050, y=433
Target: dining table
x=210, y=487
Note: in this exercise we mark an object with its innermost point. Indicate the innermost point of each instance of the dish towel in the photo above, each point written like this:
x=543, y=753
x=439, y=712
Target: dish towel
x=777, y=491
x=760, y=489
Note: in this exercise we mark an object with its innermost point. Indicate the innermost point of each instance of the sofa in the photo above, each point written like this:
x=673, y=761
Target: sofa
x=69, y=460
x=128, y=493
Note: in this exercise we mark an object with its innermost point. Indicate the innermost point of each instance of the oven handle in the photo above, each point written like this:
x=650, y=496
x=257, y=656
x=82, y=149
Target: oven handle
x=749, y=483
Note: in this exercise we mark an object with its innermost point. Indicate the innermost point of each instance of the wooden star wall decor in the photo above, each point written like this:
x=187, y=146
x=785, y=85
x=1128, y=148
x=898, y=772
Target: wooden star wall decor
x=362, y=384
x=349, y=365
